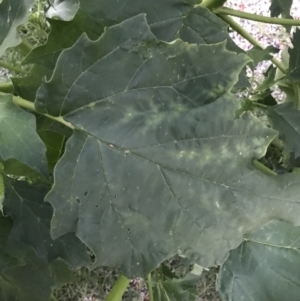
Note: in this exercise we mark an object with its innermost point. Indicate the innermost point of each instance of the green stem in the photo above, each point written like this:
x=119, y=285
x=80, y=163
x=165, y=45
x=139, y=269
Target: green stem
x=6, y=87
x=270, y=20
x=210, y=4
x=260, y=105
x=245, y=34
x=150, y=290
x=264, y=168
x=30, y=106
x=118, y=289
x=278, y=143
x=11, y=67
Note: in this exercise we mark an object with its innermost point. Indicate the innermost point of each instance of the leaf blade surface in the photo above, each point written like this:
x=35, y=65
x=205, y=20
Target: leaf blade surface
x=265, y=266
x=157, y=149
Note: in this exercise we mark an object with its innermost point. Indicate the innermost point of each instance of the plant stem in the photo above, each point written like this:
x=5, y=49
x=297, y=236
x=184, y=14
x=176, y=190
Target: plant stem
x=150, y=290
x=6, y=87
x=11, y=67
x=260, y=105
x=118, y=289
x=210, y=4
x=264, y=168
x=245, y=34
x=270, y=20
x=278, y=143
x=30, y=106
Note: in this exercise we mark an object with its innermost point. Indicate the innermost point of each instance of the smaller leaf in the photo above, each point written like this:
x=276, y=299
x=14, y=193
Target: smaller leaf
x=61, y=272
x=286, y=119
x=30, y=282
x=17, y=169
x=257, y=54
x=24, y=203
x=269, y=80
x=265, y=98
x=54, y=137
x=294, y=57
x=24, y=276
x=176, y=289
x=265, y=267
x=280, y=7
x=27, y=85
x=18, y=137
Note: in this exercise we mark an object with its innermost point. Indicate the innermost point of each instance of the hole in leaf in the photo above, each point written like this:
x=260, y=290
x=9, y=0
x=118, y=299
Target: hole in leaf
x=78, y=201
x=86, y=193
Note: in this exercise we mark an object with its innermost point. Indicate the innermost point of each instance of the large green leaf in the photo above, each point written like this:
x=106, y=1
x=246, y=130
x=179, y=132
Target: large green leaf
x=25, y=204
x=168, y=19
x=12, y=14
x=18, y=137
x=129, y=64
x=158, y=163
x=265, y=267
x=286, y=119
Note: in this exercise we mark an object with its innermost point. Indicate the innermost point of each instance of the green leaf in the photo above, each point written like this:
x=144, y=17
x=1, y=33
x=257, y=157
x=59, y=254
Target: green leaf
x=265, y=98
x=61, y=272
x=289, y=83
x=258, y=54
x=27, y=85
x=32, y=281
x=269, y=80
x=13, y=13
x=168, y=19
x=50, y=132
x=177, y=289
x=2, y=188
x=132, y=52
x=26, y=277
x=18, y=137
x=157, y=149
x=200, y=26
x=92, y=17
x=286, y=120
x=266, y=267
x=16, y=169
x=294, y=59
x=24, y=203
x=280, y=7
